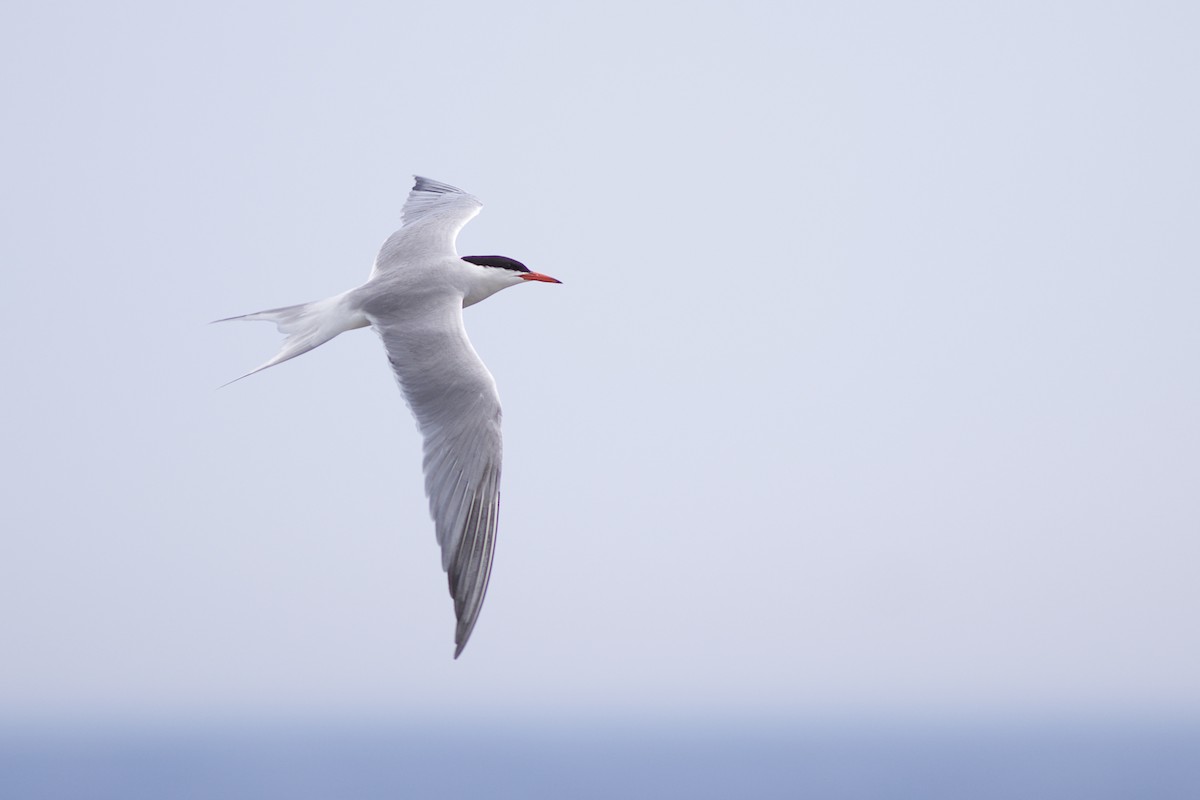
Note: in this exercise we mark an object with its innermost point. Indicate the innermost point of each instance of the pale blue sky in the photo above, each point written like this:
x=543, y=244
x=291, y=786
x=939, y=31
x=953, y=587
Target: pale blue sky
x=872, y=383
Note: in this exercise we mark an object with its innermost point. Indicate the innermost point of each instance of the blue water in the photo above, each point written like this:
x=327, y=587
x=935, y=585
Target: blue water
x=962, y=762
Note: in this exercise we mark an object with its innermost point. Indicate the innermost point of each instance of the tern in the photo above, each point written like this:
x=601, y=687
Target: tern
x=414, y=299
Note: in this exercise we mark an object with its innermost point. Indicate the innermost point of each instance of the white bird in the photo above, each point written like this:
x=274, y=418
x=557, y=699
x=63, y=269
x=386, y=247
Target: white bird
x=414, y=300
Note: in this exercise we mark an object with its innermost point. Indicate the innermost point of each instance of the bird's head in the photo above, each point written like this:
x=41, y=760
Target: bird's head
x=499, y=272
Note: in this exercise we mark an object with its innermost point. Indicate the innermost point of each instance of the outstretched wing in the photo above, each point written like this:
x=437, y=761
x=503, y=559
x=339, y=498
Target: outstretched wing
x=453, y=397
x=432, y=217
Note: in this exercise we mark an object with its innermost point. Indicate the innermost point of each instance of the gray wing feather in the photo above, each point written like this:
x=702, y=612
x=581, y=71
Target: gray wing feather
x=454, y=399
x=432, y=217
x=429, y=197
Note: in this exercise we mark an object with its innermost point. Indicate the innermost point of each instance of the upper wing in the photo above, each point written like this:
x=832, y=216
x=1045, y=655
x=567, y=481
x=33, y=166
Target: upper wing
x=454, y=399
x=432, y=217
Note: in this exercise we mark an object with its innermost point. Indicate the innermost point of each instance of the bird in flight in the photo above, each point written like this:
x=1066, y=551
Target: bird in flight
x=414, y=299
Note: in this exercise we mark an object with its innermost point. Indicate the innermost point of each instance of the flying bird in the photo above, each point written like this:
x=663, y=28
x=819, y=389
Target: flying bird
x=414, y=299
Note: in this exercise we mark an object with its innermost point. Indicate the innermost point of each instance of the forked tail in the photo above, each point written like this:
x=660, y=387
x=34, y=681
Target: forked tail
x=307, y=325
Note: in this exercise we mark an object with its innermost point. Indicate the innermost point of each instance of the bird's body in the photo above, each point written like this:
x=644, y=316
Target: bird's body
x=414, y=300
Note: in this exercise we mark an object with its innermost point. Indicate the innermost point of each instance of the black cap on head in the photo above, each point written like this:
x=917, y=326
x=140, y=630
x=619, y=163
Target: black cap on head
x=503, y=262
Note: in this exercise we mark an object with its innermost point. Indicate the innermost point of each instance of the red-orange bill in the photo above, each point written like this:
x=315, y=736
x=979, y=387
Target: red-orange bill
x=537, y=276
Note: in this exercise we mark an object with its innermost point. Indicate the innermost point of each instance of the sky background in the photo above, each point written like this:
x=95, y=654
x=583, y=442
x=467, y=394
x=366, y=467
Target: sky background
x=871, y=385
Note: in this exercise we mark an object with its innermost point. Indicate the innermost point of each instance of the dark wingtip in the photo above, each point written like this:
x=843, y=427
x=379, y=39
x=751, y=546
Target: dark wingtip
x=423, y=184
